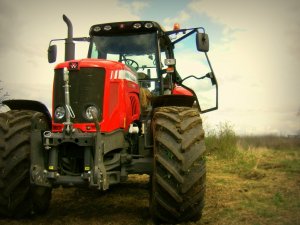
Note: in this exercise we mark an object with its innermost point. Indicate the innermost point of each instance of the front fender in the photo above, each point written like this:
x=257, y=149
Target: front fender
x=20, y=104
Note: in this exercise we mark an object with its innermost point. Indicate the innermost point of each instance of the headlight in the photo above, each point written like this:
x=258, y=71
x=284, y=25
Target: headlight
x=97, y=28
x=60, y=112
x=107, y=27
x=148, y=25
x=137, y=25
x=89, y=110
x=170, y=62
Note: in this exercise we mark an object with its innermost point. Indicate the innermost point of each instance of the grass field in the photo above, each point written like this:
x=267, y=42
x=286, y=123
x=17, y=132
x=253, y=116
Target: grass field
x=250, y=180
x=261, y=186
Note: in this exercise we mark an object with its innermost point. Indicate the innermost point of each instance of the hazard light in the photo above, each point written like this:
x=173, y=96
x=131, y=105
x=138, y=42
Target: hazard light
x=176, y=26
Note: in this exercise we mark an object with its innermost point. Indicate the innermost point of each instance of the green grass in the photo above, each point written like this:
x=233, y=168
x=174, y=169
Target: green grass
x=278, y=199
x=260, y=177
x=242, y=157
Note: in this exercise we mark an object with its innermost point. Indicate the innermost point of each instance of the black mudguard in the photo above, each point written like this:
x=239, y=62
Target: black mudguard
x=20, y=104
x=173, y=100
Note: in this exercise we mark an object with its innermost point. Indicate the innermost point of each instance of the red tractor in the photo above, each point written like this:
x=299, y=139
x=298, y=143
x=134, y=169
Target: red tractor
x=120, y=111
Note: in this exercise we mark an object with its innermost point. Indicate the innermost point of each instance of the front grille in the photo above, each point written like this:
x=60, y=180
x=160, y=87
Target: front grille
x=86, y=89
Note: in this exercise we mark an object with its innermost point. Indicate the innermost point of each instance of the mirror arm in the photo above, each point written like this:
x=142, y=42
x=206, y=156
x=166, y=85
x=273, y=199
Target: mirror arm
x=185, y=36
x=198, y=78
x=194, y=30
x=210, y=75
x=87, y=39
x=194, y=94
x=217, y=102
x=214, y=82
x=211, y=69
x=184, y=30
x=59, y=39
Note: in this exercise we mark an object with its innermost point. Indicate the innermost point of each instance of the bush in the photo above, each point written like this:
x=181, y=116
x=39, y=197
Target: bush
x=222, y=142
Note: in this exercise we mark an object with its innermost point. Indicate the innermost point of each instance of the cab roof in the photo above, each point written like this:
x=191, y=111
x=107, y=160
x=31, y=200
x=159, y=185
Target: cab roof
x=129, y=27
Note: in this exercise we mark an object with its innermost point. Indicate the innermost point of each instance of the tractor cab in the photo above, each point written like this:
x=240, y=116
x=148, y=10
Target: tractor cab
x=133, y=43
x=148, y=51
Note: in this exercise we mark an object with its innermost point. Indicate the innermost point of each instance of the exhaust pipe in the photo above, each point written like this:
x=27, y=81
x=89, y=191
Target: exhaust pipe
x=69, y=45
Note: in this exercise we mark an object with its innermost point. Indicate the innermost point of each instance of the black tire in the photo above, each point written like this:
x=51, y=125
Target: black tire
x=178, y=179
x=18, y=198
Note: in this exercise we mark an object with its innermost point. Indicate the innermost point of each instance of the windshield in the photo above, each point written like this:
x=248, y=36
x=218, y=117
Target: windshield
x=138, y=51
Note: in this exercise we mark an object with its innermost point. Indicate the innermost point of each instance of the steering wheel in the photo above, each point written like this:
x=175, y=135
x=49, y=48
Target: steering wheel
x=132, y=63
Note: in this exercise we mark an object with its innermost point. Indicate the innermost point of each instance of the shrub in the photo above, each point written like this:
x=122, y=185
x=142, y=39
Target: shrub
x=222, y=142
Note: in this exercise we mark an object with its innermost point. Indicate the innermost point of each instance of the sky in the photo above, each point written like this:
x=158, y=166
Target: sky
x=254, y=50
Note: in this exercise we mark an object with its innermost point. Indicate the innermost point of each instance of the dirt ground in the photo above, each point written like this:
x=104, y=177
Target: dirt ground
x=267, y=194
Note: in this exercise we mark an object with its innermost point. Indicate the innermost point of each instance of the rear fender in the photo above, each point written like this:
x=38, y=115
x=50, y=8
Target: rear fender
x=179, y=90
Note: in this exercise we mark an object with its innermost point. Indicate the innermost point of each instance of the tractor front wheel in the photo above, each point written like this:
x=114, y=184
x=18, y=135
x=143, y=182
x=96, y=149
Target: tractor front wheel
x=178, y=179
x=18, y=198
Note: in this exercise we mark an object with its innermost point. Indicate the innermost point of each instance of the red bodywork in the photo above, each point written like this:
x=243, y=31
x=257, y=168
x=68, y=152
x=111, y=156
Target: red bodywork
x=179, y=90
x=121, y=104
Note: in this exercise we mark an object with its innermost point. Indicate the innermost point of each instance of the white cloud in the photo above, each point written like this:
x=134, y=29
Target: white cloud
x=138, y=6
x=26, y=34
x=254, y=63
x=181, y=18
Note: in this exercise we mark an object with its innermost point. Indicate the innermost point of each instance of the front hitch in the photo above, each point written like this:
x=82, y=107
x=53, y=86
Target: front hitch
x=99, y=171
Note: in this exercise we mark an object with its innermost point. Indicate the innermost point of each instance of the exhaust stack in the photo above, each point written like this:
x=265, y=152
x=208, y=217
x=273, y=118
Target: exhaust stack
x=69, y=45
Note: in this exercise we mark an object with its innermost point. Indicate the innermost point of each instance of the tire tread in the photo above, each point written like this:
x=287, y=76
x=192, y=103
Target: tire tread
x=178, y=180
x=18, y=197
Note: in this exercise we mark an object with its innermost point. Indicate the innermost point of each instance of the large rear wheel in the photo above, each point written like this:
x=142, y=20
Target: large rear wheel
x=18, y=198
x=178, y=179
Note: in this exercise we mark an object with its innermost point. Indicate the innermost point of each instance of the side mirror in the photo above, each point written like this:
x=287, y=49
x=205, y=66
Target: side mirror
x=202, y=42
x=52, y=52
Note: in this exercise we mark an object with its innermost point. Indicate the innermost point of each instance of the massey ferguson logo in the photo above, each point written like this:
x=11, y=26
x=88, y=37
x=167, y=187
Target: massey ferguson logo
x=73, y=66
